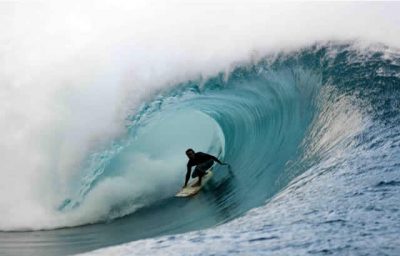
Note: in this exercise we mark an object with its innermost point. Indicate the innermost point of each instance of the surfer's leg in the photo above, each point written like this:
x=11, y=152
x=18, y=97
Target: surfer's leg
x=198, y=172
x=198, y=183
x=201, y=170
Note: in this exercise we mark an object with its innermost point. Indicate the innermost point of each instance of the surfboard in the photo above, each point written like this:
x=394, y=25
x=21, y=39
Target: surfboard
x=189, y=190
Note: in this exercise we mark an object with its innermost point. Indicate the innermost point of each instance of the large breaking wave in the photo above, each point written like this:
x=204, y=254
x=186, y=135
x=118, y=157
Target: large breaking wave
x=99, y=102
x=271, y=120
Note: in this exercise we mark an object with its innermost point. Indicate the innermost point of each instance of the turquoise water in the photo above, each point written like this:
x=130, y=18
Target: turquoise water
x=283, y=123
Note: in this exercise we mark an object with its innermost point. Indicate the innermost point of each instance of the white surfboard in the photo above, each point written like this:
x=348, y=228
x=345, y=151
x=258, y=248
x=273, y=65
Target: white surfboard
x=189, y=190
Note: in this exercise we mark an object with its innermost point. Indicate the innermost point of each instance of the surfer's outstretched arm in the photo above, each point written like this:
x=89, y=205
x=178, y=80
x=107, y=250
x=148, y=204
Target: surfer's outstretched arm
x=221, y=163
x=217, y=160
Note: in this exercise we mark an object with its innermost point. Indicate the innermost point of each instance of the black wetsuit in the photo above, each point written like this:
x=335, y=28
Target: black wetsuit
x=203, y=162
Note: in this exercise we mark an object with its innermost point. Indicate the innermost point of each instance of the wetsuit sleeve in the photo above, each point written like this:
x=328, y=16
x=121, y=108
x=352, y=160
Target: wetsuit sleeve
x=189, y=170
x=216, y=159
x=213, y=158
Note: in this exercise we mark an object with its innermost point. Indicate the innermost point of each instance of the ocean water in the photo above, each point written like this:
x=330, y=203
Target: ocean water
x=94, y=153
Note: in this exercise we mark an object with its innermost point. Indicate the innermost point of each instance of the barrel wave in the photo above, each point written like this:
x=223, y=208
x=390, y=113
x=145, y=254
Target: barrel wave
x=253, y=118
x=272, y=120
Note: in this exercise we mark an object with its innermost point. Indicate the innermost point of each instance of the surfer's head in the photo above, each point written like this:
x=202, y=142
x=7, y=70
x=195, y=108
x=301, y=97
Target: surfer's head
x=190, y=153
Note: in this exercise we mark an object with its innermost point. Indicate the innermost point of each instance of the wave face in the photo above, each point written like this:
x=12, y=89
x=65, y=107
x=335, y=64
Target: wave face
x=271, y=121
x=255, y=119
x=307, y=112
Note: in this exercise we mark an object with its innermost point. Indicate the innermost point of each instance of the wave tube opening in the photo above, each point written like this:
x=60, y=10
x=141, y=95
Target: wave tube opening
x=146, y=166
x=255, y=126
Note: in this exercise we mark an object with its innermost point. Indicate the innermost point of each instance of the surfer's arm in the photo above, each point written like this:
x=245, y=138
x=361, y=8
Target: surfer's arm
x=189, y=170
x=216, y=159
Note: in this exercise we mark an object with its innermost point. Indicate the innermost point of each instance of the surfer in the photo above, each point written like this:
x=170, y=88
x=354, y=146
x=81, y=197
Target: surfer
x=202, y=161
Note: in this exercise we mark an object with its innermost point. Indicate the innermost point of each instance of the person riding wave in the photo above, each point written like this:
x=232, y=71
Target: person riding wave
x=202, y=161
